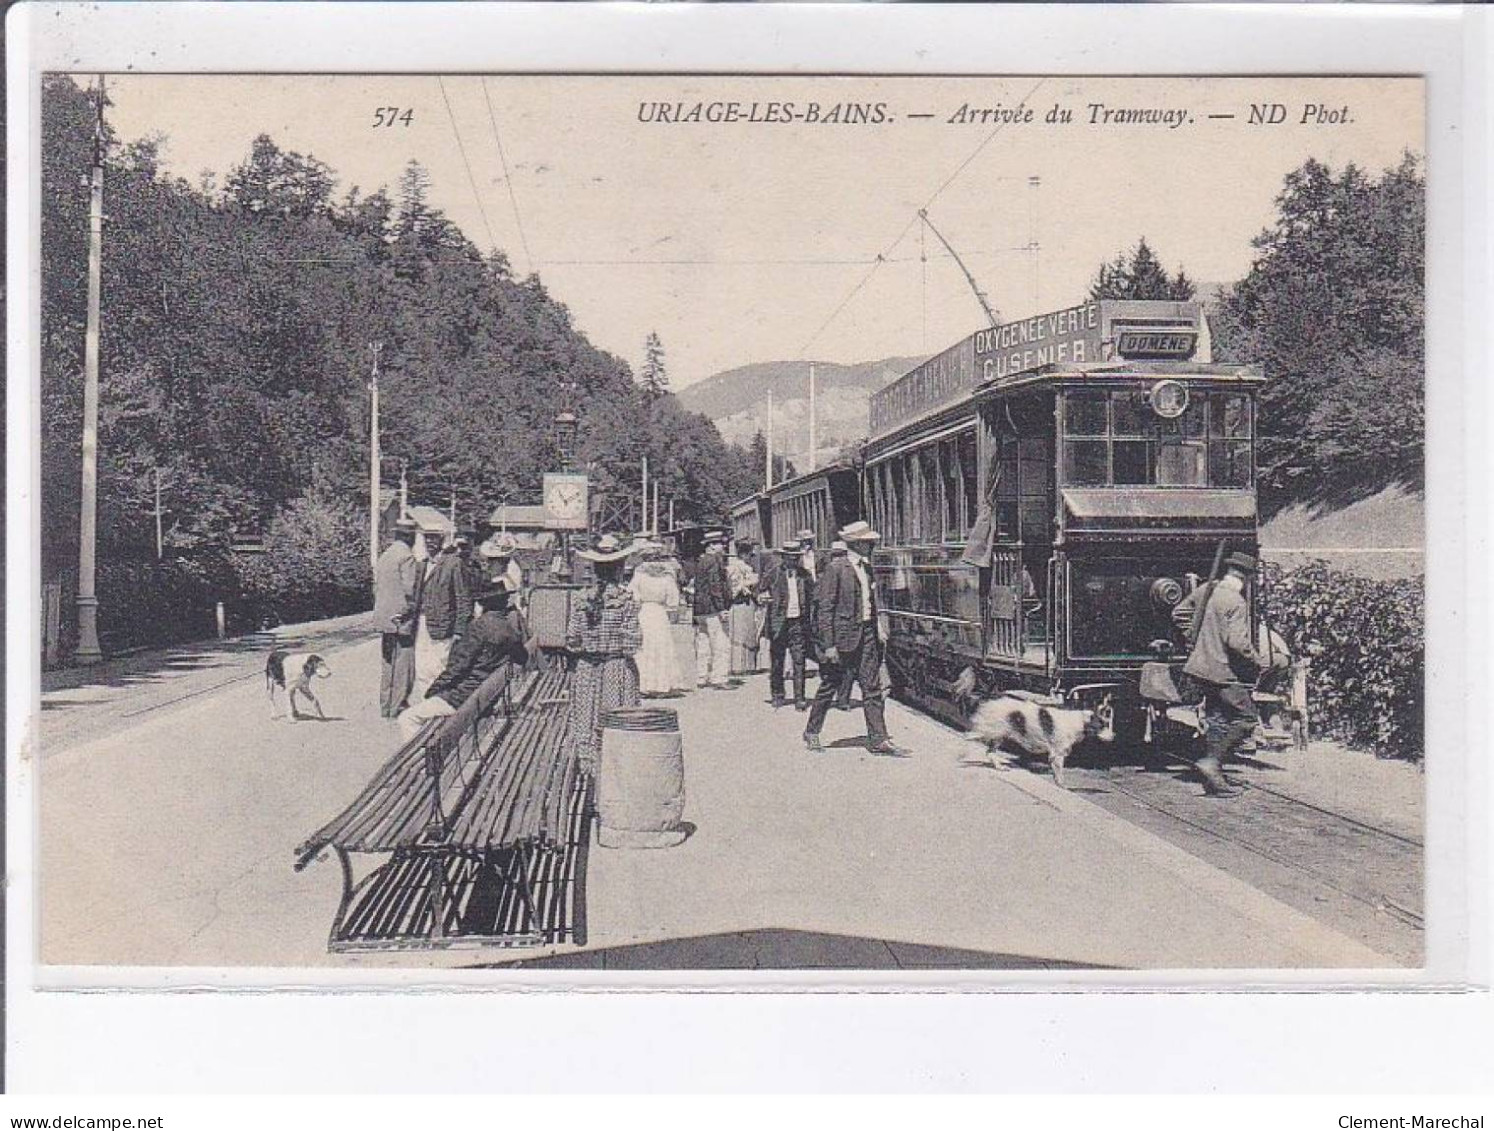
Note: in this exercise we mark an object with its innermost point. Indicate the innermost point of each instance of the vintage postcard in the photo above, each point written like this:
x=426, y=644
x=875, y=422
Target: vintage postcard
x=619, y=523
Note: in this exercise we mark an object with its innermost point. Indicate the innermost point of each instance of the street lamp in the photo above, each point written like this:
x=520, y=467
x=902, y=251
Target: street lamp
x=566, y=425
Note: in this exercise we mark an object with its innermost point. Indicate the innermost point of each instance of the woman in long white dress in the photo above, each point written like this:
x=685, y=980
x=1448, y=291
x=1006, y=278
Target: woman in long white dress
x=657, y=593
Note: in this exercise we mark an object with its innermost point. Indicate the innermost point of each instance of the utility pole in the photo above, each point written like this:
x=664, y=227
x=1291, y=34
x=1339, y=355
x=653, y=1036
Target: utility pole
x=375, y=485
x=88, y=603
x=811, y=417
x=671, y=513
x=768, y=471
x=158, y=515
x=643, y=512
x=404, y=488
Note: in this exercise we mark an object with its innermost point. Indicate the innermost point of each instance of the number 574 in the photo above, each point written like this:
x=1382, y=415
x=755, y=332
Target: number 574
x=387, y=116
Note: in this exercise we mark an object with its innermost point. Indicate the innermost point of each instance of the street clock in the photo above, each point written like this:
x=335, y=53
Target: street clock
x=565, y=500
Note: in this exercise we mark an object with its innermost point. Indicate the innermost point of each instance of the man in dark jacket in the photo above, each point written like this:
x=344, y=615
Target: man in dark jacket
x=790, y=615
x=1226, y=665
x=848, y=637
x=712, y=607
x=445, y=612
x=496, y=638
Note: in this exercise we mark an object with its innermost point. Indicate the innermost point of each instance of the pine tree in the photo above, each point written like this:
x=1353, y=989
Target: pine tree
x=1140, y=276
x=654, y=378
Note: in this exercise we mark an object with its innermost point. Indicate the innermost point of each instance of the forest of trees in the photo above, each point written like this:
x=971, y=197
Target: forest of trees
x=235, y=357
x=1333, y=310
x=1139, y=275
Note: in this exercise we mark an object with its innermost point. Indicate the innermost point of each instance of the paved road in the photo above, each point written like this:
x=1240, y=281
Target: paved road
x=79, y=704
x=167, y=837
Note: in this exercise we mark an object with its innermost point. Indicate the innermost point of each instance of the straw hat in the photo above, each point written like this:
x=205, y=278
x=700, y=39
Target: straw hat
x=607, y=549
x=858, y=532
x=498, y=546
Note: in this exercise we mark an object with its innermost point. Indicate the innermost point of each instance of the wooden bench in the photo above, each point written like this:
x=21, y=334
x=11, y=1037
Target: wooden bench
x=483, y=818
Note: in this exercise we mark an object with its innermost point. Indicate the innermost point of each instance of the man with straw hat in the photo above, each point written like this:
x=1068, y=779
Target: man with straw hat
x=396, y=606
x=849, y=640
x=790, y=614
x=712, y=607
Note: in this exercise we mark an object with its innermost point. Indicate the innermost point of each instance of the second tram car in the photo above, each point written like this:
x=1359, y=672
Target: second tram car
x=1047, y=491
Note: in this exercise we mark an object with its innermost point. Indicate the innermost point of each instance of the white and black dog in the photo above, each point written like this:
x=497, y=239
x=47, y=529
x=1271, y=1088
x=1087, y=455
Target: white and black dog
x=1035, y=729
x=293, y=673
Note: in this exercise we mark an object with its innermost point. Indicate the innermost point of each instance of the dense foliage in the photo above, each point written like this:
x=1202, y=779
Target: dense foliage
x=1139, y=276
x=1366, y=644
x=1333, y=310
x=236, y=352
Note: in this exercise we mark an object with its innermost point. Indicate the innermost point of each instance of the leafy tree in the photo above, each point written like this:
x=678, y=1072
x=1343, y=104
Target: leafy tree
x=1332, y=308
x=654, y=378
x=236, y=357
x=1141, y=276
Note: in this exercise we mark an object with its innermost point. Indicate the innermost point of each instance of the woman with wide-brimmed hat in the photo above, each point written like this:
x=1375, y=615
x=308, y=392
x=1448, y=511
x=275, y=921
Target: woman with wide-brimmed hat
x=604, y=636
x=657, y=592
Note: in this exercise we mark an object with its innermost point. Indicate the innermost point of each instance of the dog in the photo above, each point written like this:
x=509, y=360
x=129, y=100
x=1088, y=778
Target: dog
x=1034, y=729
x=302, y=668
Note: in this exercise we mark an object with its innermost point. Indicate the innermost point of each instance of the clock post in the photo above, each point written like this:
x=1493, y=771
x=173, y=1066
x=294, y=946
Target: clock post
x=565, y=492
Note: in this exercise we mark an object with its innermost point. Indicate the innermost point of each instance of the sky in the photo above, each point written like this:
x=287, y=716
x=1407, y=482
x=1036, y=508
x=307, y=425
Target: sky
x=751, y=241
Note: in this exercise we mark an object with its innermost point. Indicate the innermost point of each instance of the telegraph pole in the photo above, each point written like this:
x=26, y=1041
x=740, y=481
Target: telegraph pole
x=768, y=471
x=811, y=417
x=158, y=514
x=643, y=511
x=374, y=484
x=88, y=603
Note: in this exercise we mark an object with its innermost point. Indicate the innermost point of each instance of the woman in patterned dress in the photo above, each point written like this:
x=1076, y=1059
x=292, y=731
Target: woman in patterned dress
x=603, y=635
x=658, y=594
x=741, y=580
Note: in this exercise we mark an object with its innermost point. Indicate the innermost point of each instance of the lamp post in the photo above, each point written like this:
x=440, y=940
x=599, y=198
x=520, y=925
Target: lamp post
x=88, y=651
x=566, y=426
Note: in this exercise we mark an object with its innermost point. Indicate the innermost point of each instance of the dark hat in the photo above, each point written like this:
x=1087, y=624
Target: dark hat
x=1242, y=562
x=494, y=587
x=792, y=549
x=405, y=526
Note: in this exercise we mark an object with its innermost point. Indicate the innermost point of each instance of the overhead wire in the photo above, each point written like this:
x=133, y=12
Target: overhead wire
x=462, y=149
x=939, y=191
x=508, y=179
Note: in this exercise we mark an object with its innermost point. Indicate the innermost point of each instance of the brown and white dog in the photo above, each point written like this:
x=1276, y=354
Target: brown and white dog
x=293, y=673
x=1046, y=732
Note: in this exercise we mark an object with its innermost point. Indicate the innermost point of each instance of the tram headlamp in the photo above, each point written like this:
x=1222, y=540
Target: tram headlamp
x=1169, y=399
x=1166, y=592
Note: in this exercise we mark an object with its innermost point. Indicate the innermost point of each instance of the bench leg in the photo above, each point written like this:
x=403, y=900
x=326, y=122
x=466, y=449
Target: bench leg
x=347, y=898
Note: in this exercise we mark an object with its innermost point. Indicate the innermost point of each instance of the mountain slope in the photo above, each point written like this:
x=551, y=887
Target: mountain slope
x=737, y=400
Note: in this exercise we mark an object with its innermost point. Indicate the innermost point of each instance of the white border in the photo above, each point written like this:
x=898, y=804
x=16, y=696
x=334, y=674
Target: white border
x=1447, y=44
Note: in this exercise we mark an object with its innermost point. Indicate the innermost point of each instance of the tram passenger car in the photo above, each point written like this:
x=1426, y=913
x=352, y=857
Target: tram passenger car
x=1047, y=491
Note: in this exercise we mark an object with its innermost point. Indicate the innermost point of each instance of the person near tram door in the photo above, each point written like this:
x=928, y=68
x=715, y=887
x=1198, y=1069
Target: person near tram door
x=790, y=615
x=848, y=638
x=1226, y=664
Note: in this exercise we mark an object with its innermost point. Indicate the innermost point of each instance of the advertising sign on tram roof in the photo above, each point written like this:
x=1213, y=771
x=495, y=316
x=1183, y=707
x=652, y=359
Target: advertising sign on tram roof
x=1101, y=330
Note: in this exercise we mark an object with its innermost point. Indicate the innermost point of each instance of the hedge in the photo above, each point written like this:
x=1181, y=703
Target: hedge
x=1367, y=646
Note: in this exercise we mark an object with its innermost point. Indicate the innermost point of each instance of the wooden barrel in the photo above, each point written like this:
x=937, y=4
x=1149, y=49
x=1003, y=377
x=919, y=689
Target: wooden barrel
x=641, y=781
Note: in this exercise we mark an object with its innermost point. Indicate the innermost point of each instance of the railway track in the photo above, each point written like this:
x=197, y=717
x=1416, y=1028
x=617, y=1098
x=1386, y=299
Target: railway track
x=1375, y=867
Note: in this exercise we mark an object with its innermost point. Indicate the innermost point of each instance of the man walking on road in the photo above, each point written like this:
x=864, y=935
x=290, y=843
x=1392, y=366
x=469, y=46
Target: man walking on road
x=849, y=640
x=1226, y=665
x=396, y=588
x=445, y=612
x=712, y=607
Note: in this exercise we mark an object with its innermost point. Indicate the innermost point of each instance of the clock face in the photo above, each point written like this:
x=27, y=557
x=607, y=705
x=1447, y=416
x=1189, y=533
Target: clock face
x=565, y=500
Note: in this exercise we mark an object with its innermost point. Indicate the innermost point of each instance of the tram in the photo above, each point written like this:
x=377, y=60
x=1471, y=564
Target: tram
x=822, y=501
x=1047, y=490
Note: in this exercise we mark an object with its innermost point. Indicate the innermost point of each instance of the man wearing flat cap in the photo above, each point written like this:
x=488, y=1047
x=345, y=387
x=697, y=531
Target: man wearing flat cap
x=396, y=608
x=1226, y=665
x=849, y=639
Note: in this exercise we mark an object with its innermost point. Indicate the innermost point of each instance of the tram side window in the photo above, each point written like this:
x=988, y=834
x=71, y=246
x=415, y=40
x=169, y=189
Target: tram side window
x=968, y=481
x=1229, y=440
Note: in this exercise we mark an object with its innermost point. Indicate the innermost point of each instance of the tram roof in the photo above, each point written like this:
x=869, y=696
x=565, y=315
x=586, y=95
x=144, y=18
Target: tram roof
x=1055, y=375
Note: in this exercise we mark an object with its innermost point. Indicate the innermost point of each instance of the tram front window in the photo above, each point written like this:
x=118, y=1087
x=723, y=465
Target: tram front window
x=1118, y=439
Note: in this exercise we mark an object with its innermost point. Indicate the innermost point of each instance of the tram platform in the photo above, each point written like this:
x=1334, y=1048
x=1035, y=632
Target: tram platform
x=795, y=860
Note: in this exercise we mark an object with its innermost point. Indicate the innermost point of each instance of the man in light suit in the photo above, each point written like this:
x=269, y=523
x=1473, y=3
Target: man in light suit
x=848, y=638
x=396, y=608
